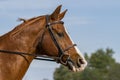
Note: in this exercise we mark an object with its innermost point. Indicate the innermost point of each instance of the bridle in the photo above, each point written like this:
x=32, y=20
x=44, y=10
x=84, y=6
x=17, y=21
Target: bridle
x=61, y=52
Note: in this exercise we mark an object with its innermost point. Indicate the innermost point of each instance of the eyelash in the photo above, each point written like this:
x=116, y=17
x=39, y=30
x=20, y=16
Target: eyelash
x=60, y=34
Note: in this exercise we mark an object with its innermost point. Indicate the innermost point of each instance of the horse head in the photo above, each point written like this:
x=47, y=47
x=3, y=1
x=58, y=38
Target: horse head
x=56, y=42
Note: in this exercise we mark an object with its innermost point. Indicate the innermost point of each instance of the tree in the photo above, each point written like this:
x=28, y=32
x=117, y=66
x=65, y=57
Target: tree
x=114, y=73
x=101, y=65
x=102, y=59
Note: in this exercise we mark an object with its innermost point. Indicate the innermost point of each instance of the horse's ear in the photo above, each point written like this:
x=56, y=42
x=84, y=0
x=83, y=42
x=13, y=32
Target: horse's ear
x=61, y=15
x=54, y=15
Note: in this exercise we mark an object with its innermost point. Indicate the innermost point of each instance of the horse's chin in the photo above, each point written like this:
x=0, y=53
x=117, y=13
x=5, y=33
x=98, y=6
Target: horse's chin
x=74, y=68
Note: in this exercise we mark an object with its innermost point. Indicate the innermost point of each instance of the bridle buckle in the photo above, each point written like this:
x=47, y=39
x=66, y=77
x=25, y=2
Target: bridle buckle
x=63, y=59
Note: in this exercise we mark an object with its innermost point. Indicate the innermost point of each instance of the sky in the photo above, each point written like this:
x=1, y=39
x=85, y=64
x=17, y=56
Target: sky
x=92, y=24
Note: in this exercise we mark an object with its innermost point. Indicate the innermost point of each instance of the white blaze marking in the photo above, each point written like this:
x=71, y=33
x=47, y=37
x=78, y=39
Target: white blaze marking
x=77, y=50
x=80, y=54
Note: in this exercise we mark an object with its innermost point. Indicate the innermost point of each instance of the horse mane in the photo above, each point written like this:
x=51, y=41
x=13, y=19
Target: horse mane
x=22, y=19
x=25, y=23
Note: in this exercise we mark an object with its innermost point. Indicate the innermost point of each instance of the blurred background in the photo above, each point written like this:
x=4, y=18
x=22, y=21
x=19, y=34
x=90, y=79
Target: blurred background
x=94, y=26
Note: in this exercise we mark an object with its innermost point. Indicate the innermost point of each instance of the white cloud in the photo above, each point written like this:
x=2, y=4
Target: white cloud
x=25, y=4
x=74, y=20
x=96, y=4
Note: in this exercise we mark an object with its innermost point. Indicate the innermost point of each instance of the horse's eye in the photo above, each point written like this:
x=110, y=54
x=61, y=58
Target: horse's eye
x=60, y=34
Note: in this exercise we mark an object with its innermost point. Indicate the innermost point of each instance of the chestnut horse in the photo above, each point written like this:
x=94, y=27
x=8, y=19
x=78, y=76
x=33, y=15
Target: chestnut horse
x=42, y=35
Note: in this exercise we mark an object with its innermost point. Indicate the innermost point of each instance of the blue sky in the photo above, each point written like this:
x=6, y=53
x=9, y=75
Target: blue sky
x=92, y=24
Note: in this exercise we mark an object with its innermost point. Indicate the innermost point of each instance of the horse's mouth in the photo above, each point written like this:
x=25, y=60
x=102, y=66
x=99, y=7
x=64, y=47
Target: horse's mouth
x=74, y=68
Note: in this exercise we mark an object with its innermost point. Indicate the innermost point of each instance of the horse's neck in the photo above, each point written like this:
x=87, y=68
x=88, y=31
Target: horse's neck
x=13, y=67
x=30, y=33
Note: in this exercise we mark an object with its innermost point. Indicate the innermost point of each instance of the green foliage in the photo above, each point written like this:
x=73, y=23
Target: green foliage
x=63, y=73
x=114, y=73
x=101, y=59
x=101, y=66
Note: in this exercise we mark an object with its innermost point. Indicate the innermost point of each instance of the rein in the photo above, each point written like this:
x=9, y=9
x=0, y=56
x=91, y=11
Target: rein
x=37, y=57
x=61, y=52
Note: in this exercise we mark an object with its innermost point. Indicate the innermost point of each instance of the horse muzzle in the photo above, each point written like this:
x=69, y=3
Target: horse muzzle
x=76, y=66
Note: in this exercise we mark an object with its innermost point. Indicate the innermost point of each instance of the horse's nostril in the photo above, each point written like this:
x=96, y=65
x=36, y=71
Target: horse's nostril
x=80, y=62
